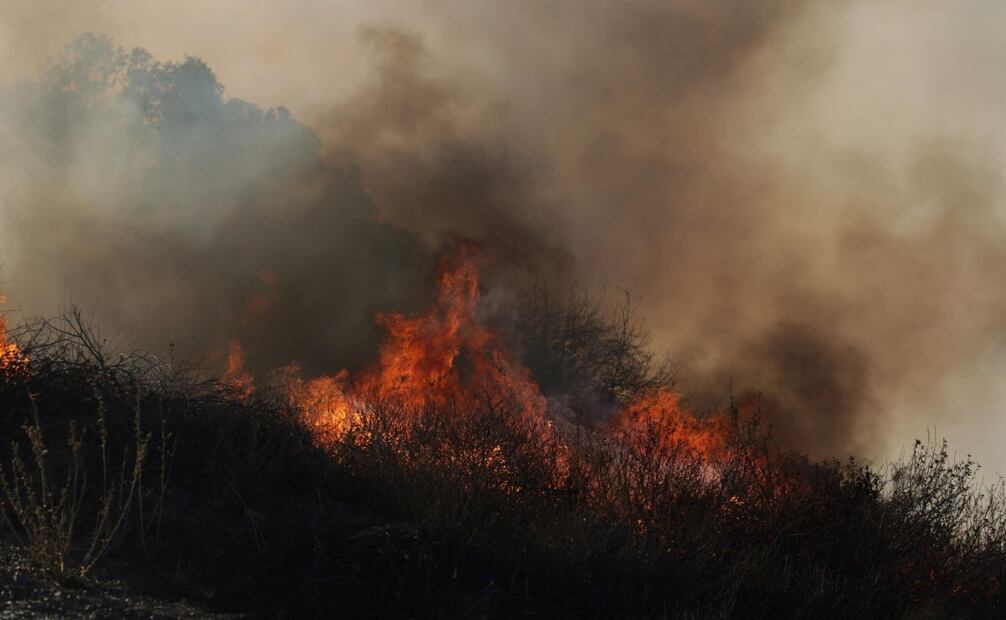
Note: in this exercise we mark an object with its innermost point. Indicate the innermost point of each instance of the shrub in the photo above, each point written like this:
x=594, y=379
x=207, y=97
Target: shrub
x=42, y=501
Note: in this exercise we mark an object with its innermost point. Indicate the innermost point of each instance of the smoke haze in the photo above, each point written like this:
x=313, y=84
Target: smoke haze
x=805, y=197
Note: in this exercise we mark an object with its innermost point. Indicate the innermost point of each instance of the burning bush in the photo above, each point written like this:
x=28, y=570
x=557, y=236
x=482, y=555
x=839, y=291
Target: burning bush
x=438, y=482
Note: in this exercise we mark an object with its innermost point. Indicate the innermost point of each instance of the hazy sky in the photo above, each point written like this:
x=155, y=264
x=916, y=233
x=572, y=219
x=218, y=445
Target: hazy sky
x=803, y=184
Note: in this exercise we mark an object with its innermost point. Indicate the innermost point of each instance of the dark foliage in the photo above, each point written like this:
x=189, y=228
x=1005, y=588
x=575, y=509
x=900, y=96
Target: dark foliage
x=576, y=346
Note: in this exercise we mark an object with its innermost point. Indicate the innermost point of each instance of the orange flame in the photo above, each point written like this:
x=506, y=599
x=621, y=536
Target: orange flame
x=13, y=361
x=444, y=356
x=323, y=402
x=659, y=413
x=235, y=376
x=448, y=356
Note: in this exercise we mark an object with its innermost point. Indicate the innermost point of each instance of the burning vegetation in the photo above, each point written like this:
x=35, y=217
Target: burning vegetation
x=449, y=358
x=444, y=356
x=12, y=360
x=444, y=479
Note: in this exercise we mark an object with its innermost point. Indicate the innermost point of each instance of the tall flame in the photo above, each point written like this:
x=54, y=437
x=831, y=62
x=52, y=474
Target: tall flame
x=443, y=356
x=447, y=354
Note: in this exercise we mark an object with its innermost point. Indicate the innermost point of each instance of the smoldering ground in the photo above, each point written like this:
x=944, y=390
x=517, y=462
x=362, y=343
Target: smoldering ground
x=785, y=226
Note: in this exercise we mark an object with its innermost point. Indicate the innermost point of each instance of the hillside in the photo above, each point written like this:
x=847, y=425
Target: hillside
x=133, y=489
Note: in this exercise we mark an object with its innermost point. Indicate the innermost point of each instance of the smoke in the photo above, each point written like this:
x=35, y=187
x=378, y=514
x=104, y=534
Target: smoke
x=620, y=142
x=805, y=197
x=188, y=218
x=784, y=233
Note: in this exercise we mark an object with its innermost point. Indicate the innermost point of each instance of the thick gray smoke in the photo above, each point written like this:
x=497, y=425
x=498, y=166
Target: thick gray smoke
x=799, y=204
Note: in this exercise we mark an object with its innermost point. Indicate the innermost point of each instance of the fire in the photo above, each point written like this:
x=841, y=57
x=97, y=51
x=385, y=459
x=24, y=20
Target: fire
x=659, y=413
x=418, y=363
x=12, y=359
x=449, y=359
x=445, y=356
x=325, y=402
x=235, y=376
